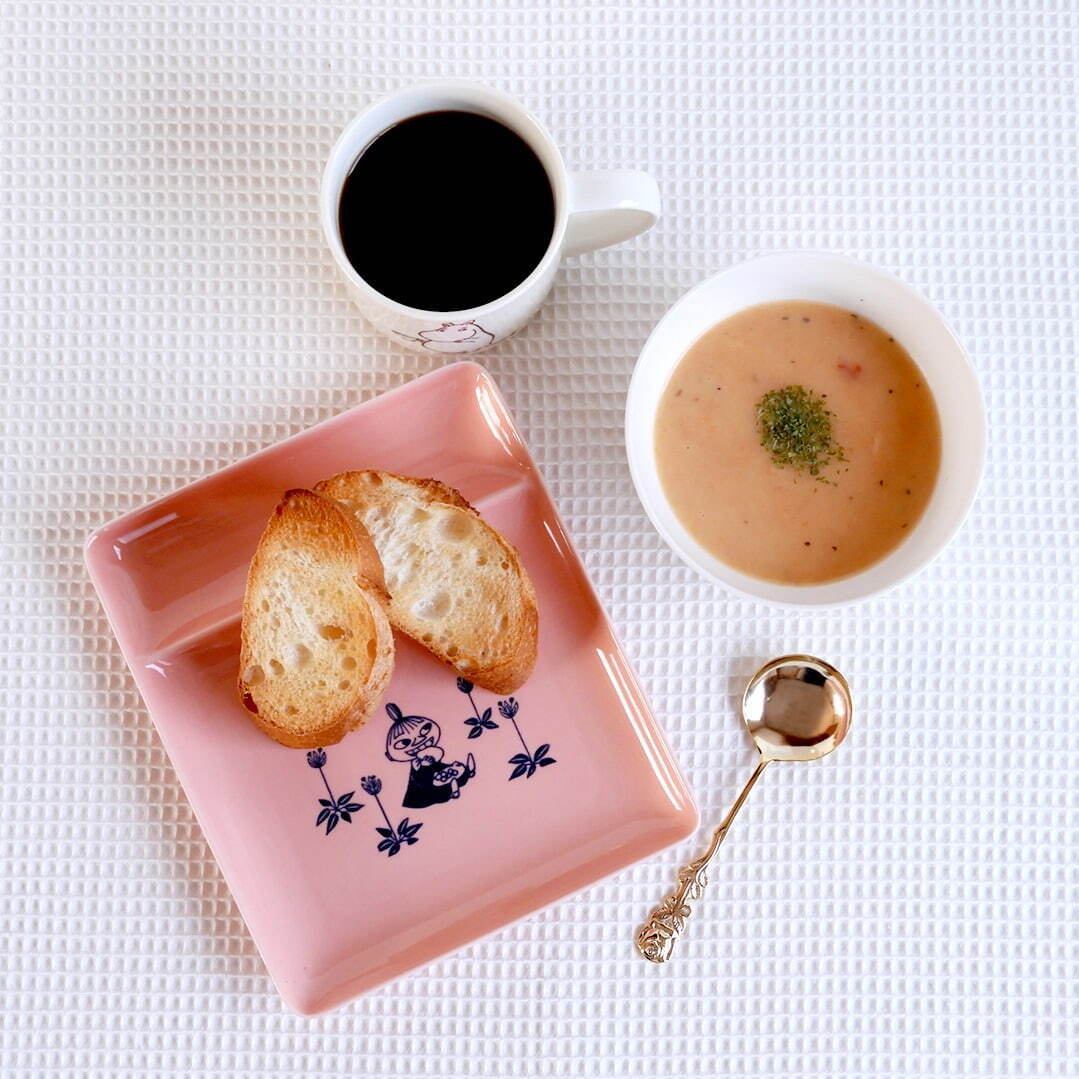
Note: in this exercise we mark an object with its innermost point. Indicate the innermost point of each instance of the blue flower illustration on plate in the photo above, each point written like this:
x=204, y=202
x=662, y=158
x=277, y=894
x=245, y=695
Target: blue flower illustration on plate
x=479, y=722
x=393, y=839
x=527, y=763
x=335, y=808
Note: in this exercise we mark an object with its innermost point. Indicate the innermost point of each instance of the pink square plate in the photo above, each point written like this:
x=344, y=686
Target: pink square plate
x=341, y=884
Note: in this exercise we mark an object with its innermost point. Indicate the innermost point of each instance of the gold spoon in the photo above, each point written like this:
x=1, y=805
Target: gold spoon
x=796, y=708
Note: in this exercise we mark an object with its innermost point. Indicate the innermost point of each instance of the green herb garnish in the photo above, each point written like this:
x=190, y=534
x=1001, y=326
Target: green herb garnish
x=796, y=430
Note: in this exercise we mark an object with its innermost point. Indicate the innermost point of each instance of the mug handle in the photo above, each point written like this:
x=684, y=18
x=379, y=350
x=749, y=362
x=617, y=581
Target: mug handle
x=608, y=207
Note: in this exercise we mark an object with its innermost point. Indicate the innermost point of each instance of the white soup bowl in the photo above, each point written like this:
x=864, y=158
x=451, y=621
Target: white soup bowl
x=873, y=294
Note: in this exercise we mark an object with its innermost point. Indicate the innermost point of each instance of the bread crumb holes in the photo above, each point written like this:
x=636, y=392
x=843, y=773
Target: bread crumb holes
x=297, y=655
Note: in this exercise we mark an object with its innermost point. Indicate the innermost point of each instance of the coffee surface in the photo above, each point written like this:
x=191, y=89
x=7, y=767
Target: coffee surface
x=446, y=211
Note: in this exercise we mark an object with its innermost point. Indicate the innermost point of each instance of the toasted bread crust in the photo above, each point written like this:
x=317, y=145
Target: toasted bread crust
x=344, y=560
x=512, y=652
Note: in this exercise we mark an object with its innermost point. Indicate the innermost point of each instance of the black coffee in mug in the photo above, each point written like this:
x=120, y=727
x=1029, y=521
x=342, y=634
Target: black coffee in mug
x=446, y=211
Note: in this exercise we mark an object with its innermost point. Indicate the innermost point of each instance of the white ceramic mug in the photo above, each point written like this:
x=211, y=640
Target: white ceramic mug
x=592, y=210
x=854, y=286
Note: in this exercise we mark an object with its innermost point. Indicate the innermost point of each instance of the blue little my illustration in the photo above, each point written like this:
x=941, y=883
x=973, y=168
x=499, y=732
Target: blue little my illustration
x=415, y=740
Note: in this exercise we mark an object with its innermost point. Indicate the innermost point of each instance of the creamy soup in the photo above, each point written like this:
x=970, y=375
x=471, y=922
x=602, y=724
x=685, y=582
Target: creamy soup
x=797, y=442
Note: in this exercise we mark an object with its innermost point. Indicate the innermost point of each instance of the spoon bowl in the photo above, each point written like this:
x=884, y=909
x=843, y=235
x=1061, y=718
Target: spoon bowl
x=797, y=708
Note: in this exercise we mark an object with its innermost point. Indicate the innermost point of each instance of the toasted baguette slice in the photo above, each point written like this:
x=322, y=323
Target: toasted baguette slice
x=456, y=586
x=316, y=647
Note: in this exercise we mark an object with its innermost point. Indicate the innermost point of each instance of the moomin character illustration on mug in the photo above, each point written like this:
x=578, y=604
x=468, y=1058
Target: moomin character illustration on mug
x=452, y=337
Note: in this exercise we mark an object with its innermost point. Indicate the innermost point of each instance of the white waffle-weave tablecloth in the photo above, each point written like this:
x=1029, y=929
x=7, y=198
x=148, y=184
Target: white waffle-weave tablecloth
x=908, y=907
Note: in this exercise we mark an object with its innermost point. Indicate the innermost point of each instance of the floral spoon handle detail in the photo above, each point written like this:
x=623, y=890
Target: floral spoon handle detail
x=656, y=938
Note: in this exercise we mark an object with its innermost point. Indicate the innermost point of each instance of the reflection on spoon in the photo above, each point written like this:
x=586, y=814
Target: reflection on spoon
x=796, y=708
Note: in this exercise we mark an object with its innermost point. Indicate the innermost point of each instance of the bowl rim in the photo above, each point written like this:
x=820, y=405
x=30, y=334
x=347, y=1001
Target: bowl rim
x=793, y=596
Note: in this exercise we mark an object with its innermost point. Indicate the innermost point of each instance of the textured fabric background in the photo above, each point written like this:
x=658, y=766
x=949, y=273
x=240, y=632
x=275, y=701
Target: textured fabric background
x=906, y=908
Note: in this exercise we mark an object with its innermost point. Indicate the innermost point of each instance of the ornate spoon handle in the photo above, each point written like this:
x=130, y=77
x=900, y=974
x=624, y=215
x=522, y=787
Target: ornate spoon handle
x=655, y=939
